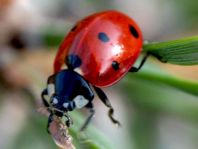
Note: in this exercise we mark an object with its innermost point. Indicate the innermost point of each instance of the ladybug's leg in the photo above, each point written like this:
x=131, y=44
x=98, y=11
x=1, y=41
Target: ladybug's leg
x=50, y=118
x=92, y=112
x=68, y=121
x=49, y=91
x=45, y=102
x=136, y=69
x=106, y=101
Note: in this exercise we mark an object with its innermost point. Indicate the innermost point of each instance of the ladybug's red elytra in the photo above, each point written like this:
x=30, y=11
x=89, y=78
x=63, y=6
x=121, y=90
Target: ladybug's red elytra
x=103, y=47
x=108, y=43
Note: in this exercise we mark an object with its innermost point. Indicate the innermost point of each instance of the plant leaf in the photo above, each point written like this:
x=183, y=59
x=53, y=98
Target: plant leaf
x=150, y=72
x=182, y=51
x=154, y=96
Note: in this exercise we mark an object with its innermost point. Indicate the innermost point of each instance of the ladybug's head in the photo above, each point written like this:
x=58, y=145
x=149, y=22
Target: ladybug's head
x=62, y=104
x=67, y=90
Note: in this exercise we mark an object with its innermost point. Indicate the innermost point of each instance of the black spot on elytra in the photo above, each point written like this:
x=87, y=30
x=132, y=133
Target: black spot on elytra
x=133, y=31
x=115, y=65
x=73, y=61
x=74, y=28
x=103, y=37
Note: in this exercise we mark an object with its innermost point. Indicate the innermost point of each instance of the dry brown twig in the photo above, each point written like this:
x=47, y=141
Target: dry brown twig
x=59, y=132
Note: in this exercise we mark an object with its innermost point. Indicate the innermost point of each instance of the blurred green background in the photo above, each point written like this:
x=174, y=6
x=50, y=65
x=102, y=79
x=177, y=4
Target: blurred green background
x=154, y=114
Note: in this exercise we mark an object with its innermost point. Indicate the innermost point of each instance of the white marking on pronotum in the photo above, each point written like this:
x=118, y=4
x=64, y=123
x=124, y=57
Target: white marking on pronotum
x=80, y=101
x=65, y=105
x=55, y=101
x=50, y=89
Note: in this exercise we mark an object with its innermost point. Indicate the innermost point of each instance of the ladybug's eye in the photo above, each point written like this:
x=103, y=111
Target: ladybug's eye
x=115, y=65
x=133, y=31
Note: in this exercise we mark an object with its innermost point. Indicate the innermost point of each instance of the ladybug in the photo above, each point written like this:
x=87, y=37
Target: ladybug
x=97, y=52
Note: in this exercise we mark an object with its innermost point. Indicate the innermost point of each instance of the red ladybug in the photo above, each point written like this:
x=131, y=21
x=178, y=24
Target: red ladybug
x=103, y=48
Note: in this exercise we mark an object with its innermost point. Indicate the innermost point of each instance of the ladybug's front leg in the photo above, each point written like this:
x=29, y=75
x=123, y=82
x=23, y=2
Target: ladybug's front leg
x=68, y=121
x=92, y=112
x=43, y=94
x=106, y=101
x=50, y=119
x=136, y=69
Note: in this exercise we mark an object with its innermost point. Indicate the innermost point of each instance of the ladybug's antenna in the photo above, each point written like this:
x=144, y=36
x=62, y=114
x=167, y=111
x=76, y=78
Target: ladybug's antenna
x=73, y=61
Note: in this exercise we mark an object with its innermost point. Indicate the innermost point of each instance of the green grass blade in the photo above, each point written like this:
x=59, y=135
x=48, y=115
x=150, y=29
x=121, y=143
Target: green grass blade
x=182, y=51
x=189, y=86
x=155, y=73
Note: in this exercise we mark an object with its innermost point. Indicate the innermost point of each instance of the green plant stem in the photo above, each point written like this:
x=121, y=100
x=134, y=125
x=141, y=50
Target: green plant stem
x=182, y=84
